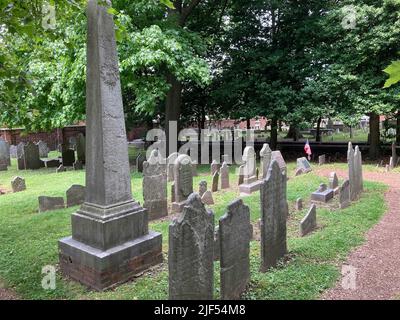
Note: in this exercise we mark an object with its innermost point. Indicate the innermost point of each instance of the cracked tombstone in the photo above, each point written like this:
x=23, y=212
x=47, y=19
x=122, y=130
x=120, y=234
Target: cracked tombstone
x=274, y=212
x=191, y=253
x=235, y=233
x=309, y=222
x=155, y=187
x=183, y=182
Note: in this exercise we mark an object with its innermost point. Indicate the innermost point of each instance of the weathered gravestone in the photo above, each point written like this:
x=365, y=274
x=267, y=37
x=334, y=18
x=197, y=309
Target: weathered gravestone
x=68, y=155
x=50, y=203
x=323, y=194
x=183, y=182
x=299, y=204
x=202, y=187
x=322, y=160
x=265, y=155
x=31, y=156
x=215, y=181
x=43, y=149
x=207, y=198
x=250, y=183
x=191, y=253
x=303, y=165
x=4, y=155
x=224, y=173
x=141, y=158
x=111, y=242
x=333, y=181
x=170, y=165
x=274, y=212
x=155, y=187
x=20, y=156
x=309, y=222
x=354, y=159
x=344, y=195
x=18, y=184
x=215, y=166
x=81, y=148
x=277, y=156
x=235, y=233
x=75, y=195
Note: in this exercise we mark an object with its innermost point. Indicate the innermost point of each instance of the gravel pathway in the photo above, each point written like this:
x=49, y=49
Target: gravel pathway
x=377, y=261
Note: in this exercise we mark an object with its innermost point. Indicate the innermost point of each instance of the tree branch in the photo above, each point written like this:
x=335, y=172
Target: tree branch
x=187, y=11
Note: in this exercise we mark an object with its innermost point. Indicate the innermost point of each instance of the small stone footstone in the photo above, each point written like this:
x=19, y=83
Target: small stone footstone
x=334, y=182
x=191, y=253
x=322, y=160
x=235, y=233
x=323, y=194
x=75, y=195
x=344, y=195
x=224, y=172
x=304, y=165
x=215, y=181
x=202, y=187
x=78, y=165
x=207, y=198
x=299, y=204
x=60, y=169
x=50, y=203
x=18, y=184
x=309, y=222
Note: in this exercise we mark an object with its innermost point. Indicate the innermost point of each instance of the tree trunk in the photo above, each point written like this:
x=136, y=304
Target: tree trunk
x=172, y=110
x=318, y=133
x=374, y=147
x=248, y=123
x=274, y=134
x=293, y=133
x=398, y=128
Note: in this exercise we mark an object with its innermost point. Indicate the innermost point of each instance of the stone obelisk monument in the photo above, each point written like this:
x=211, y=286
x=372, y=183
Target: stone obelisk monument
x=110, y=240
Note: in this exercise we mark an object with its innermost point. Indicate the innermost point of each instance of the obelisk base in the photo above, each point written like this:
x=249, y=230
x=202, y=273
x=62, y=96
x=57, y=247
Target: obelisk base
x=101, y=270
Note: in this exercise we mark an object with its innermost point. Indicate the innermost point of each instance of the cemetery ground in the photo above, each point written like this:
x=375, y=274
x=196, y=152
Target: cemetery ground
x=28, y=240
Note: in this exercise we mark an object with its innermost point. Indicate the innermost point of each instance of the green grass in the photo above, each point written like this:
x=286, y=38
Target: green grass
x=28, y=240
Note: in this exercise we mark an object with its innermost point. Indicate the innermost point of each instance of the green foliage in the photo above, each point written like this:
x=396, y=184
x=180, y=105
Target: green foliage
x=393, y=70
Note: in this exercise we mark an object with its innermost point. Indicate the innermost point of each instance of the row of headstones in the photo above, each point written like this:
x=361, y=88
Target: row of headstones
x=192, y=245
x=75, y=196
x=29, y=155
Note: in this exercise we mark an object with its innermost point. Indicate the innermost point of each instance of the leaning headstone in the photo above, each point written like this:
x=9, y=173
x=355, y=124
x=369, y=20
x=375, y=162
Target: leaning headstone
x=78, y=165
x=18, y=184
x=81, y=148
x=304, y=165
x=235, y=233
x=31, y=156
x=155, y=187
x=4, y=155
x=277, y=156
x=183, y=182
x=111, y=242
x=68, y=156
x=224, y=173
x=309, y=222
x=215, y=181
x=43, y=149
x=299, y=204
x=139, y=162
x=202, y=187
x=207, y=198
x=60, y=169
x=191, y=253
x=323, y=194
x=333, y=181
x=322, y=160
x=50, y=203
x=75, y=195
x=250, y=182
x=265, y=155
x=215, y=166
x=274, y=212
x=344, y=195
x=170, y=166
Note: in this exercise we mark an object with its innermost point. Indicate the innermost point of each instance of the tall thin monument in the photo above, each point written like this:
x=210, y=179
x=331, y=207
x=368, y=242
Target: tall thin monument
x=110, y=240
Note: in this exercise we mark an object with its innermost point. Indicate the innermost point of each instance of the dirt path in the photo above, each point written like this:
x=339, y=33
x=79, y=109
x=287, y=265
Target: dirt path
x=377, y=261
x=6, y=294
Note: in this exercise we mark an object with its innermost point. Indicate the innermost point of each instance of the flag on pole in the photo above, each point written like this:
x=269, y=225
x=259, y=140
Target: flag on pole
x=307, y=149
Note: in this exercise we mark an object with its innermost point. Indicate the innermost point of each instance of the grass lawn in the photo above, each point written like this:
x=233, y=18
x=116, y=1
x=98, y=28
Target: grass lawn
x=28, y=240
